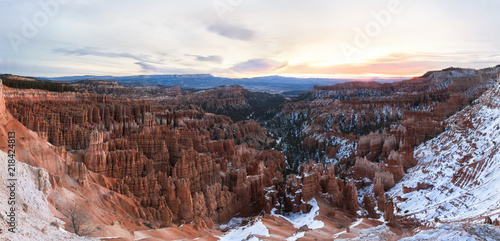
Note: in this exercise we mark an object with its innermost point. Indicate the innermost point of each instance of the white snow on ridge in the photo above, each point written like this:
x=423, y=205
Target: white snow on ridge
x=247, y=232
x=296, y=236
x=234, y=222
x=300, y=219
x=462, y=164
x=257, y=227
x=35, y=221
x=353, y=225
x=457, y=232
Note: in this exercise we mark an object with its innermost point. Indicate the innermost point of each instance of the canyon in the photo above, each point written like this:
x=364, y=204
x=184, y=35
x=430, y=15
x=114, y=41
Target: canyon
x=345, y=161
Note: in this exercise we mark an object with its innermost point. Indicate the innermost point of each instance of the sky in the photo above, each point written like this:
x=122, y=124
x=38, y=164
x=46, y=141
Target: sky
x=247, y=38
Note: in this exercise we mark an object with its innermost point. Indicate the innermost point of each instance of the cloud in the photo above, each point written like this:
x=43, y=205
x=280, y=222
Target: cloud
x=154, y=69
x=147, y=67
x=413, y=57
x=297, y=32
x=397, y=64
x=211, y=58
x=411, y=68
x=232, y=31
x=88, y=51
x=257, y=65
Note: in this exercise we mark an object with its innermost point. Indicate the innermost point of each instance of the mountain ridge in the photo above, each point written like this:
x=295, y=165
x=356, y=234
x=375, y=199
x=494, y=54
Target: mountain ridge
x=459, y=168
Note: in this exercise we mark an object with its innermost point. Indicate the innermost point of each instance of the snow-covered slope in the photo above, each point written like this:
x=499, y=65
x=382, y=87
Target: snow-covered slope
x=461, y=166
x=35, y=221
x=457, y=232
x=247, y=232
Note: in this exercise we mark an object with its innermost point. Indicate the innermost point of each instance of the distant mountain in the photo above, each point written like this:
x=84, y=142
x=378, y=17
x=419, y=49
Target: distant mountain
x=22, y=82
x=271, y=84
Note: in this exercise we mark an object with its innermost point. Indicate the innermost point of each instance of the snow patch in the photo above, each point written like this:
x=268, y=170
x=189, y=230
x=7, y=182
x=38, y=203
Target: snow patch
x=353, y=225
x=296, y=236
x=379, y=233
x=233, y=223
x=300, y=219
x=247, y=232
x=458, y=233
x=35, y=221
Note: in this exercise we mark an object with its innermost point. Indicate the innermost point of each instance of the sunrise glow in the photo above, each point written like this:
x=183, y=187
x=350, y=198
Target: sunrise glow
x=338, y=39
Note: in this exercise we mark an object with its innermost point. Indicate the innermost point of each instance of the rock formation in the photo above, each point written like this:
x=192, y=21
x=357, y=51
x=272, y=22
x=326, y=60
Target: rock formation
x=181, y=164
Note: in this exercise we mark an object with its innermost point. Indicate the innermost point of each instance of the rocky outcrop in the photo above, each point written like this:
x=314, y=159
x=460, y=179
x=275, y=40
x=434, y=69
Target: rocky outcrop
x=389, y=215
x=78, y=171
x=369, y=205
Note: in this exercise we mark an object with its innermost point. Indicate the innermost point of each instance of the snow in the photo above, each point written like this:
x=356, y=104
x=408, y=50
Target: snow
x=462, y=166
x=296, y=236
x=457, y=232
x=308, y=174
x=300, y=219
x=378, y=233
x=247, y=232
x=278, y=141
x=233, y=223
x=353, y=225
x=365, y=190
x=35, y=221
x=257, y=227
x=347, y=147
